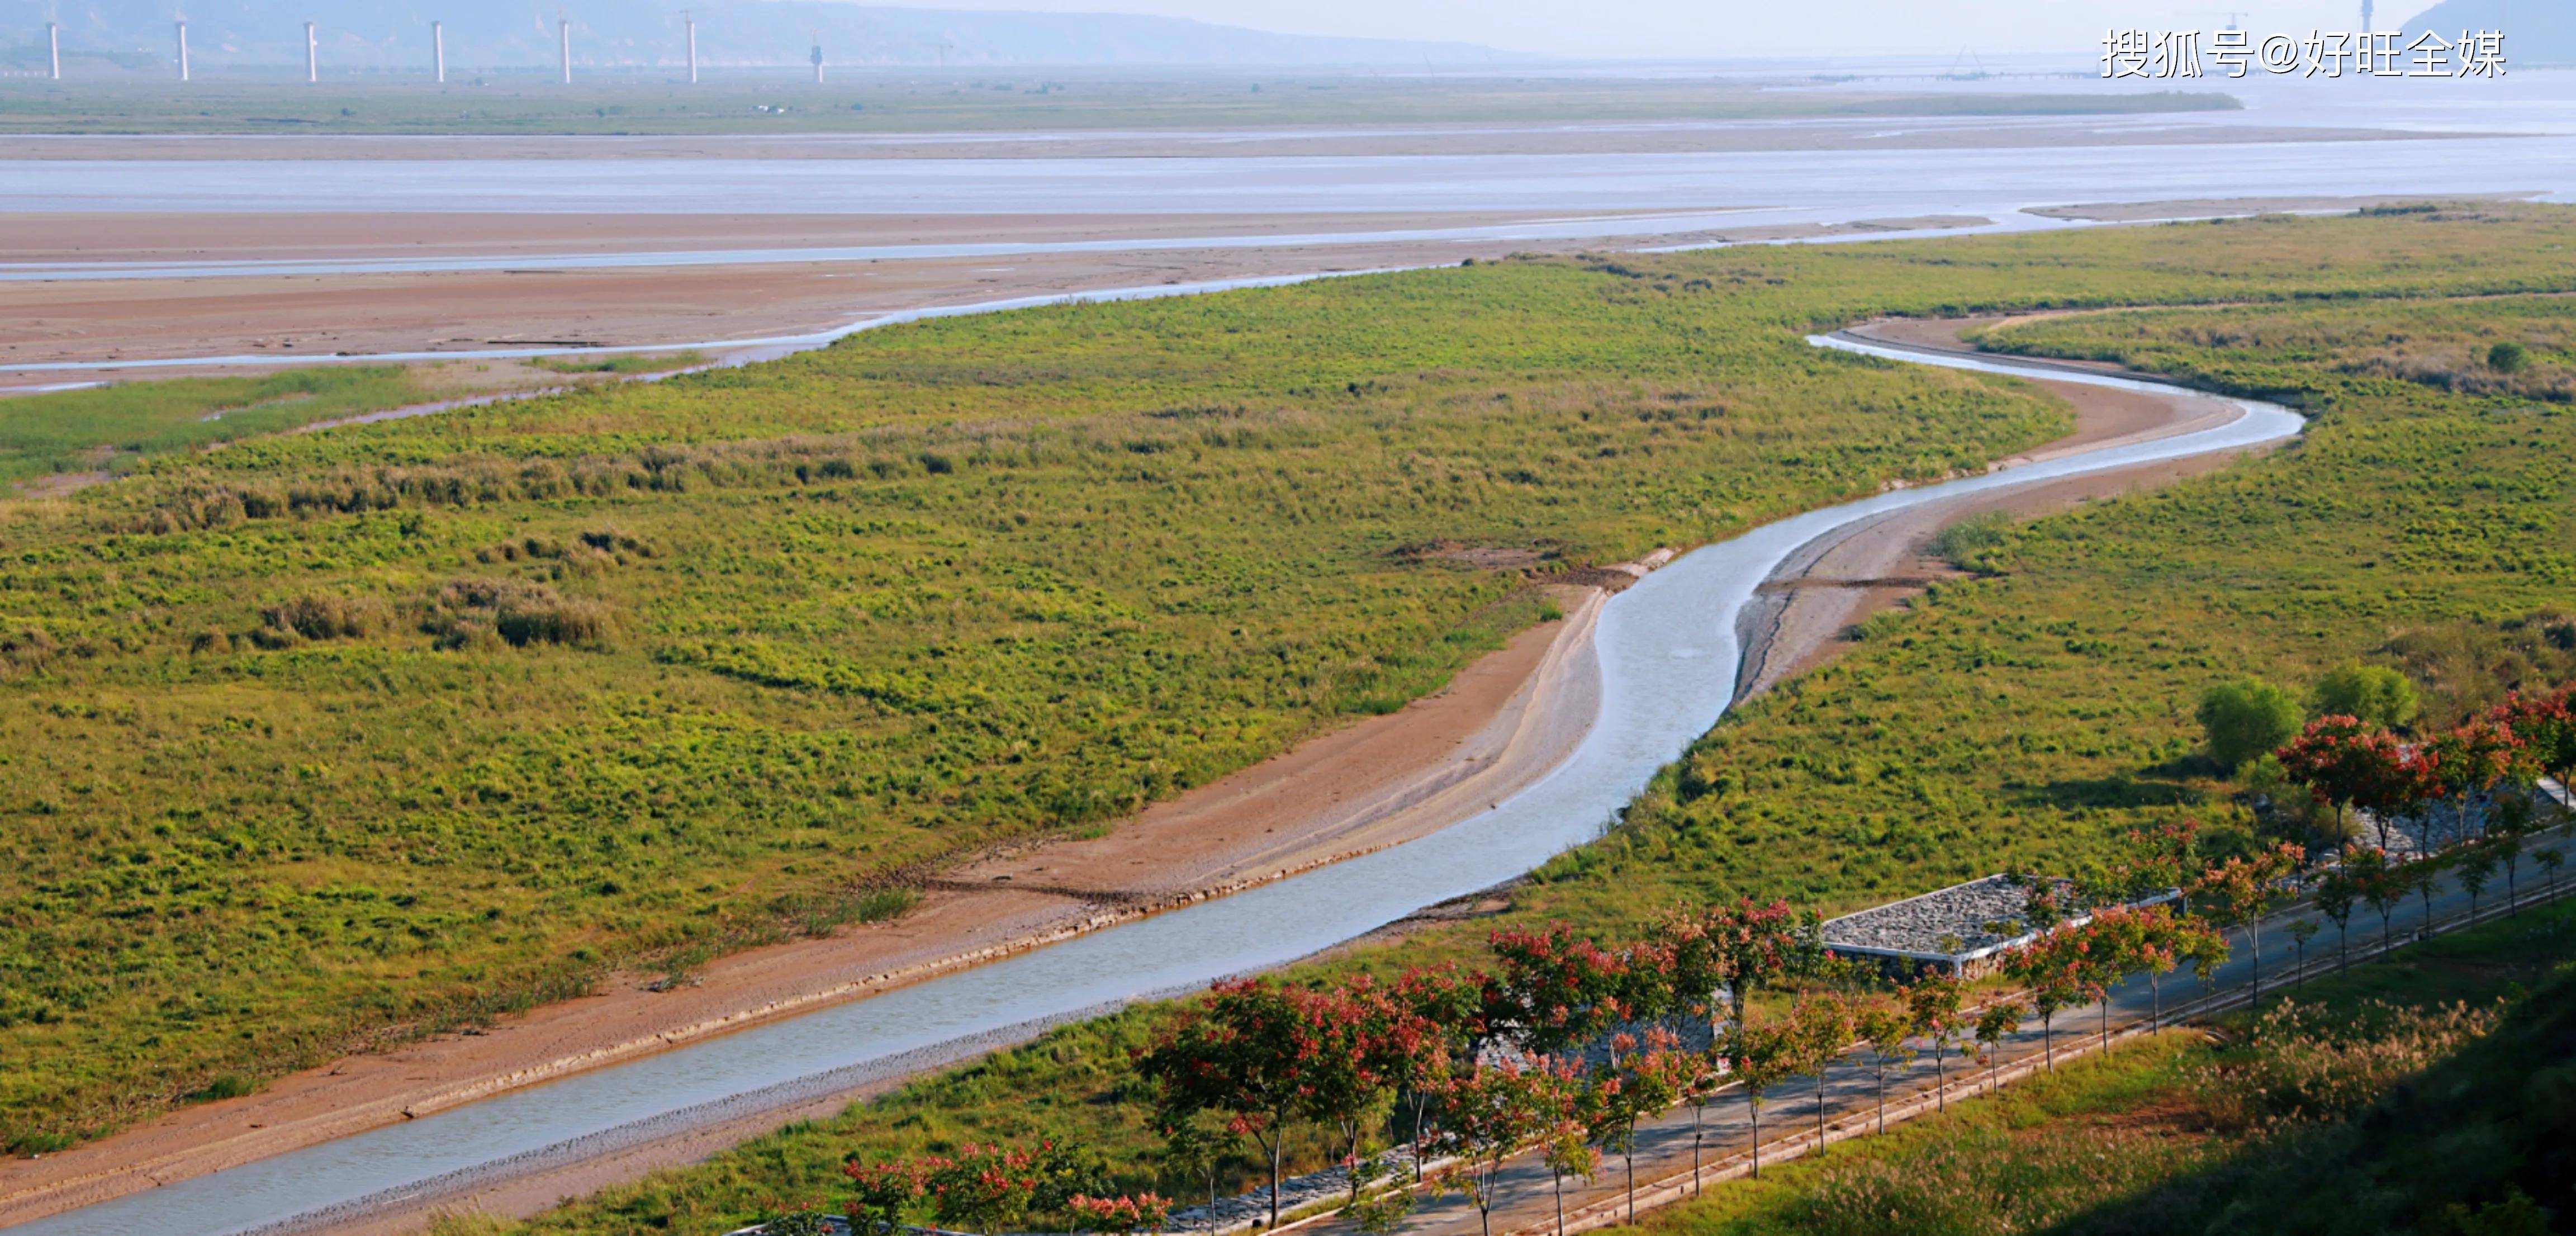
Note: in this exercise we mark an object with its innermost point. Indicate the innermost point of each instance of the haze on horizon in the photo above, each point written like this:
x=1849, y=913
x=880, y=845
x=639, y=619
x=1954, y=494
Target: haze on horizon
x=1952, y=30
x=1688, y=29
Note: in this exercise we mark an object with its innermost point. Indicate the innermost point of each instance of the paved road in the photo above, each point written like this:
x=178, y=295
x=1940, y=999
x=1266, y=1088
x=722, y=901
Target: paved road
x=1850, y=1090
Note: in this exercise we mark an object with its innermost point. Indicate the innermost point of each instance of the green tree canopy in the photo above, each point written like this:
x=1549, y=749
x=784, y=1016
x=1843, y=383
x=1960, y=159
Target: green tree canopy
x=2245, y=719
x=2373, y=693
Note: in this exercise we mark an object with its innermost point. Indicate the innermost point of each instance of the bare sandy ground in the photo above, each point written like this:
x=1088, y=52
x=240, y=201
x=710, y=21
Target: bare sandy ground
x=1576, y=137
x=323, y=316
x=1498, y=726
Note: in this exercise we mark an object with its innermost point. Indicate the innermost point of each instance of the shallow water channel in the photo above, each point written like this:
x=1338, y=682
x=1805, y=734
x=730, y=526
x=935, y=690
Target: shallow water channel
x=1667, y=652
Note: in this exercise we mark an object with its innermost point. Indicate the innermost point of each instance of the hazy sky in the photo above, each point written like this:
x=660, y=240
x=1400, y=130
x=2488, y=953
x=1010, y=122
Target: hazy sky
x=1730, y=27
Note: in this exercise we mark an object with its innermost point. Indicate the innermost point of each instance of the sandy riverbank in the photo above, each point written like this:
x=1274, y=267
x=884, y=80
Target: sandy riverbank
x=319, y=316
x=1435, y=139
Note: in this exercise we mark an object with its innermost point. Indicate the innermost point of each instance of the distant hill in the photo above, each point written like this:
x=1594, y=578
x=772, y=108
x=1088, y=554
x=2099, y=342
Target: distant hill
x=482, y=34
x=2535, y=31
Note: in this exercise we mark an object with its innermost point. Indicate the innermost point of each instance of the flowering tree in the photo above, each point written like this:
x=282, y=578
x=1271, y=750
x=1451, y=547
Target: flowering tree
x=1932, y=1013
x=980, y=1188
x=2235, y=894
x=2472, y=760
x=1251, y=1050
x=1761, y=1057
x=1553, y=989
x=1649, y=988
x=2055, y=973
x=2379, y=882
x=1143, y=1212
x=881, y=1193
x=2352, y=764
x=1998, y=1020
x=1491, y=1111
x=1888, y=1031
x=1750, y=944
x=1567, y=1152
x=2546, y=725
x=1641, y=1079
x=1706, y=1076
x=2335, y=897
x=1821, y=1027
x=1445, y=1009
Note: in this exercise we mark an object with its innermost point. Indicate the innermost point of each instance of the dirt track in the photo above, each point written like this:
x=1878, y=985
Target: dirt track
x=1498, y=726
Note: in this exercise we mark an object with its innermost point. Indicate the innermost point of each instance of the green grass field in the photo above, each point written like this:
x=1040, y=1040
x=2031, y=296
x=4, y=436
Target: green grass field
x=2023, y=718
x=325, y=739
x=110, y=428
x=918, y=100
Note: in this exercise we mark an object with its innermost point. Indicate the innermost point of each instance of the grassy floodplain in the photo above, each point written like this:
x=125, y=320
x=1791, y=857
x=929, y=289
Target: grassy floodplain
x=2020, y=718
x=322, y=739
x=110, y=428
x=894, y=101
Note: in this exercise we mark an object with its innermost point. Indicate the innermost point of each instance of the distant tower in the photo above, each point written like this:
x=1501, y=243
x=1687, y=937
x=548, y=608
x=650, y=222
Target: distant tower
x=2365, y=15
x=563, y=46
x=183, y=51
x=312, y=59
x=438, y=50
x=818, y=57
x=692, y=24
x=54, y=47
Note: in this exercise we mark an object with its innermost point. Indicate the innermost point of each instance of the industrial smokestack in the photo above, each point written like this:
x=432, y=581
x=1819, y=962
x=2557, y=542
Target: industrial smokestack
x=692, y=24
x=438, y=50
x=183, y=51
x=312, y=59
x=563, y=44
x=54, y=48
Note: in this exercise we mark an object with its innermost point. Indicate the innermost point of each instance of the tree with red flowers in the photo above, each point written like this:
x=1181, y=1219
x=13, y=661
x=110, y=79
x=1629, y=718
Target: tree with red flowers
x=1142, y=1212
x=2236, y=893
x=1820, y=1030
x=2350, y=763
x=1446, y=1009
x=2055, y=973
x=1264, y=1055
x=1552, y=989
x=1489, y=1112
x=1641, y=1080
x=2546, y=724
x=1932, y=1013
x=1760, y=1056
x=1889, y=1032
x=2471, y=760
x=1749, y=944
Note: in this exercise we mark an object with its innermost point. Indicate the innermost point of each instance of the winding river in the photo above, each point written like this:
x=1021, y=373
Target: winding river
x=1667, y=652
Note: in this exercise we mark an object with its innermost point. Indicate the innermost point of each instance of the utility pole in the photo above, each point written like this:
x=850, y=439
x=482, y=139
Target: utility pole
x=818, y=57
x=183, y=51
x=54, y=47
x=692, y=24
x=563, y=44
x=312, y=58
x=438, y=50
